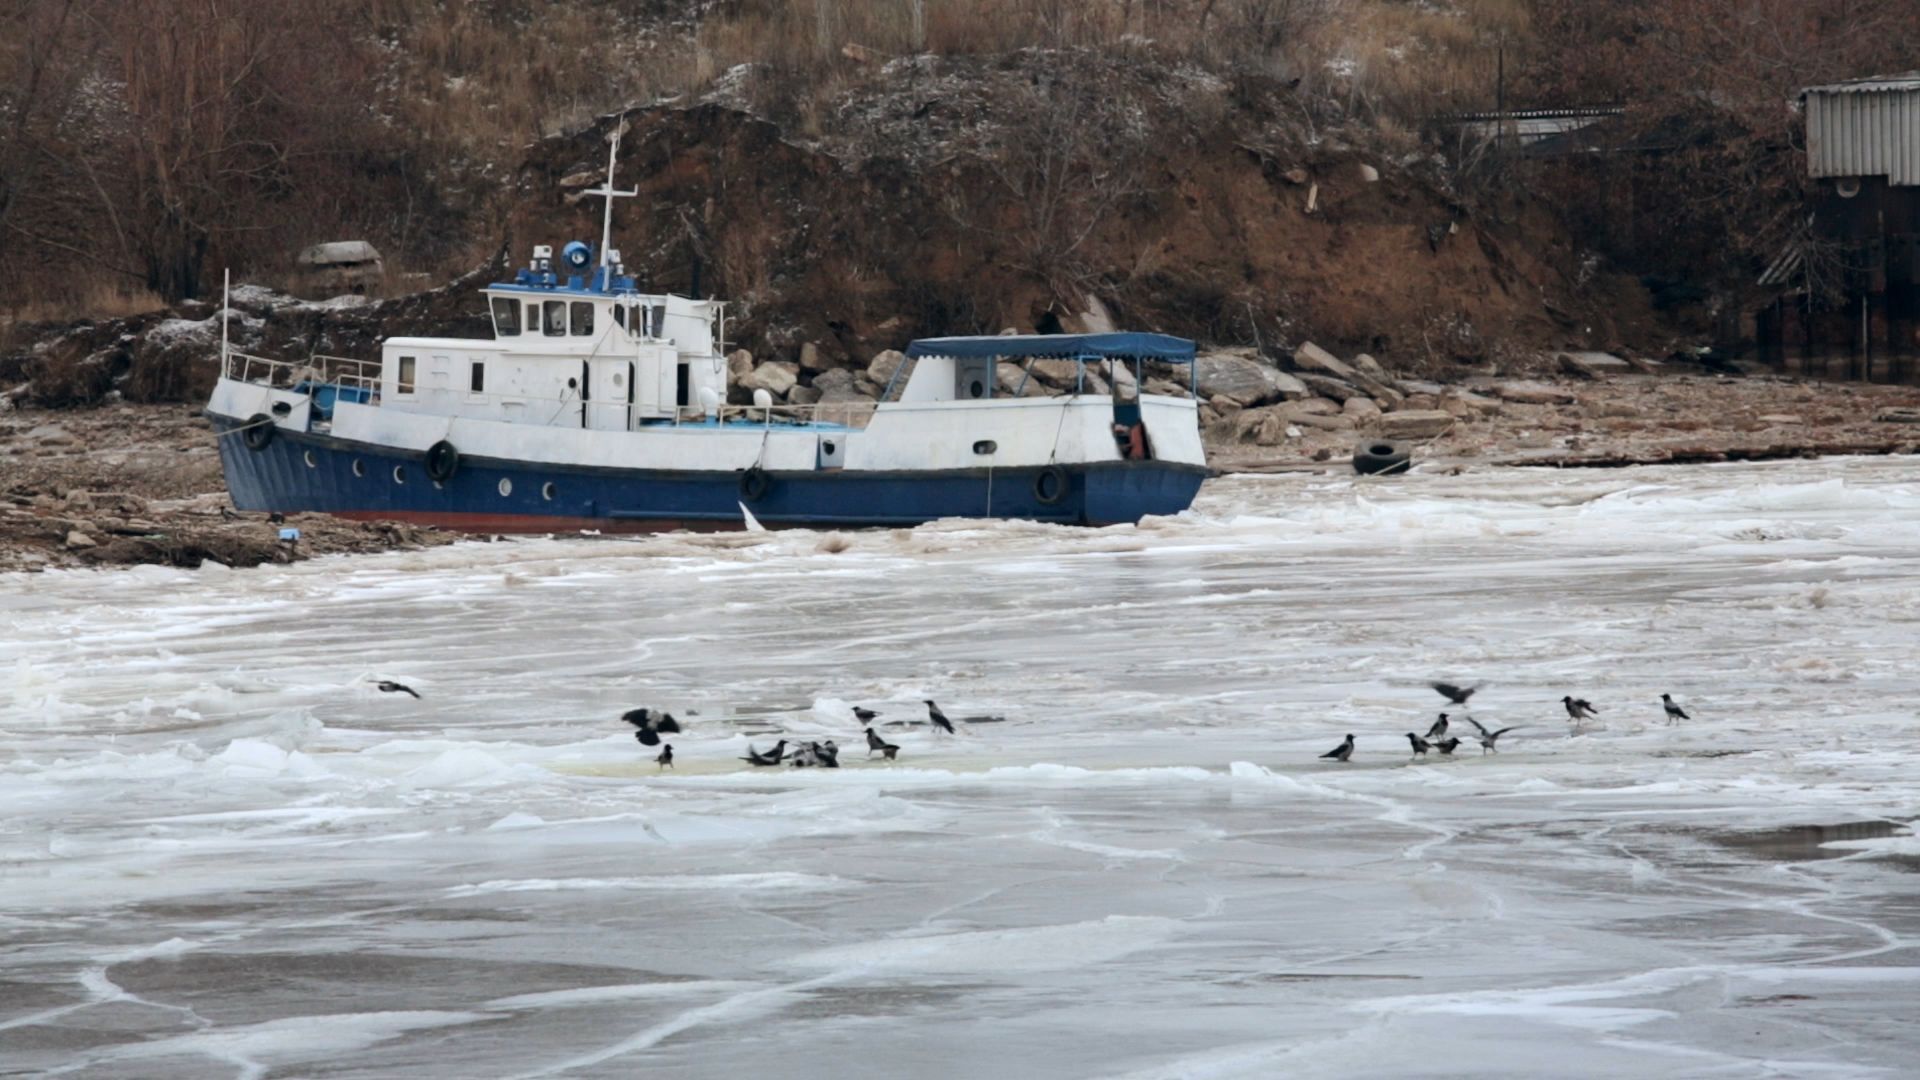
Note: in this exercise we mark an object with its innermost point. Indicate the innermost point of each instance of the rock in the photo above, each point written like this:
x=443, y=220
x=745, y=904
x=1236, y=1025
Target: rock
x=1532, y=393
x=77, y=540
x=1898, y=415
x=1311, y=357
x=1168, y=388
x=1363, y=410
x=739, y=365
x=776, y=377
x=1296, y=176
x=1224, y=405
x=1311, y=407
x=803, y=395
x=1370, y=366
x=1779, y=418
x=1476, y=405
x=1319, y=421
x=1369, y=174
x=1417, y=386
x=828, y=381
x=1262, y=426
x=881, y=369
x=1420, y=401
x=1611, y=410
x=1059, y=374
x=811, y=360
x=1593, y=365
x=1328, y=386
x=1245, y=380
x=1415, y=423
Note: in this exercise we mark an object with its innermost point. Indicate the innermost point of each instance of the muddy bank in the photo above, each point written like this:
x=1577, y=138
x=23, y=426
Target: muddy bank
x=132, y=484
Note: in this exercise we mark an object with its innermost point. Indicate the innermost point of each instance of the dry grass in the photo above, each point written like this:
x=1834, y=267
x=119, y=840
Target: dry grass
x=99, y=300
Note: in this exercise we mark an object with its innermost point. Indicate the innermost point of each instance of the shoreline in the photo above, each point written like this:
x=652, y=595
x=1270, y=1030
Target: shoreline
x=124, y=485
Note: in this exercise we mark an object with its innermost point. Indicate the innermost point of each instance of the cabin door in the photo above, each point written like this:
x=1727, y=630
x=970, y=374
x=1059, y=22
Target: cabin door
x=609, y=397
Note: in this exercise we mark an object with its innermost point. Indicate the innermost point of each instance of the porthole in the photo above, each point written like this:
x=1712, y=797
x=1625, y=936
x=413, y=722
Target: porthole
x=827, y=446
x=282, y=409
x=399, y=475
x=985, y=446
x=311, y=464
x=976, y=388
x=359, y=467
x=506, y=487
x=546, y=491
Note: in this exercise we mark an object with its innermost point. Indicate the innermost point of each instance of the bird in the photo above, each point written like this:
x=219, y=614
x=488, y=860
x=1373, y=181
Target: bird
x=826, y=755
x=875, y=742
x=666, y=757
x=1675, y=713
x=276, y=518
x=1456, y=694
x=1439, y=727
x=388, y=686
x=642, y=721
x=1341, y=752
x=1420, y=745
x=1488, y=738
x=865, y=716
x=1447, y=746
x=771, y=757
x=1578, y=708
x=667, y=724
x=939, y=718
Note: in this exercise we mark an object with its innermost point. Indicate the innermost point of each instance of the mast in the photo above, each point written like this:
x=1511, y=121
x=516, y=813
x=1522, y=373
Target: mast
x=608, y=192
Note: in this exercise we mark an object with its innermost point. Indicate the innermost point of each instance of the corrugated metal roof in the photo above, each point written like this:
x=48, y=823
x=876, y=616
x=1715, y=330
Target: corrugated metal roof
x=1868, y=127
x=1909, y=80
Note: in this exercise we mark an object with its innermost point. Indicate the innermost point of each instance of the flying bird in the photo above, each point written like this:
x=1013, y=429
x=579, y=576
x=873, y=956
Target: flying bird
x=666, y=757
x=388, y=686
x=1456, y=694
x=1341, y=752
x=1420, y=745
x=771, y=757
x=643, y=728
x=1578, y=708
x=1439, y=727
x=1489, y=738
x=875, y=742
x=1675, y=713
x=939, y=718
x=1447, y=747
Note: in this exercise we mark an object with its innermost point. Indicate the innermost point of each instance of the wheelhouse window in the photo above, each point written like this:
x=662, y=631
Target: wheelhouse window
x=406, y=375
x=477, y=377
x=533, y=316
x=620, y=314
x=506, y=317
x=659, y=320
x=582, y=319
x=556, y=318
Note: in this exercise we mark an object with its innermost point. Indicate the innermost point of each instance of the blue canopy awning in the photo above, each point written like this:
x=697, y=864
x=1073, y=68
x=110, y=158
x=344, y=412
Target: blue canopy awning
x=1129, y=346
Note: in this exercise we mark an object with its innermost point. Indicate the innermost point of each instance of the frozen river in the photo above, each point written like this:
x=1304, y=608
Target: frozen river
x=224, y=853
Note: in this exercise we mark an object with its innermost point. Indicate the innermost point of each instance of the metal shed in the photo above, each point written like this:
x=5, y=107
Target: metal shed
x=1865, y=127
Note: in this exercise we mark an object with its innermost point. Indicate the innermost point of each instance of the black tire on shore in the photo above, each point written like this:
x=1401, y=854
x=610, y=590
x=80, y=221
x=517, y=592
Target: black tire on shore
x=1377, y=456
x=443, y=460
x=257, y=432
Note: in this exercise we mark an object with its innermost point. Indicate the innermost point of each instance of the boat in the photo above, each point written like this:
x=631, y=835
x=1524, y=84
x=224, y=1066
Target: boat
x=599, y=405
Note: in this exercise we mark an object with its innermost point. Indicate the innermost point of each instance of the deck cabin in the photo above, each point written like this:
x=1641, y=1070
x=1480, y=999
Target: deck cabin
x=577, y=347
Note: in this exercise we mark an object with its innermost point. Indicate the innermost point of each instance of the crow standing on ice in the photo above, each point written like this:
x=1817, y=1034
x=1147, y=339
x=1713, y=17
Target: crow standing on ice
x=1341, y=752
x=1489, y=738
x=1456, y=694
x=1578, y=708
x=875, y=742
x=1447, y=747
x=666, y=757
x=1675, y=713
x=1439, y=728
x=1420, y=745
x=388, y=686
x=939, y=718
x=865, y=716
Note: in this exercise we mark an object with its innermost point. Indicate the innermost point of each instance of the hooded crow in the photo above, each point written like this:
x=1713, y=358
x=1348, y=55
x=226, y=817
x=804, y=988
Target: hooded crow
x=1489, y=738
x=939, y=718
x=666, y=757
x=1439, y=728
x=1341, y=752
x=1578, y=708
x=1420, y=745
x=1456, y=694
x=1675, y=713
x=875, y=742
x=388, y=686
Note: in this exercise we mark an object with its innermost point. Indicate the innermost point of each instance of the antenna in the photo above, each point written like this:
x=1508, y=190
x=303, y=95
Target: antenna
x=608, y=192
x=226, y=306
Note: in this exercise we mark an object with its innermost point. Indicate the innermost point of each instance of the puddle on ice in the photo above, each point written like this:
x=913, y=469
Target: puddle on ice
x=223, y=853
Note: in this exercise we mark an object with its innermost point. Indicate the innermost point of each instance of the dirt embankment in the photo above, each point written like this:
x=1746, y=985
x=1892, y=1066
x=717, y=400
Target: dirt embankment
x=129, y=484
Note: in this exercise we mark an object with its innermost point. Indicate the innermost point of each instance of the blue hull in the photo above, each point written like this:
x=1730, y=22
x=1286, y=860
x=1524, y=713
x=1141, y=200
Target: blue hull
x=298, y=472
